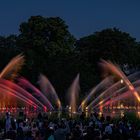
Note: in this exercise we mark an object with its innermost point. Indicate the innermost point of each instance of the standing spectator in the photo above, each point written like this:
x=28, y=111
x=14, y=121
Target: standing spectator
x=8, y=122
x=61, y=131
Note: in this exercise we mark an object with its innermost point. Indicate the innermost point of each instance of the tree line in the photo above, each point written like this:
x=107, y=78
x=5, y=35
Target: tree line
x=51, y=49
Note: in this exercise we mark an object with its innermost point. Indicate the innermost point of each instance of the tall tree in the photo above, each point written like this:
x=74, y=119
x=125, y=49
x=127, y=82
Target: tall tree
x=109, y=44
x=47, y=44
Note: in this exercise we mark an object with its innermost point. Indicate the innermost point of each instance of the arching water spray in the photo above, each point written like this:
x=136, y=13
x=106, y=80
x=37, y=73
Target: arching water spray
x=116, y=70
x=49, y=91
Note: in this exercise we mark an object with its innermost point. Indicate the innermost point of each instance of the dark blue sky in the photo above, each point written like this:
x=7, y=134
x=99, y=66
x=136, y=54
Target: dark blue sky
x=83, y=16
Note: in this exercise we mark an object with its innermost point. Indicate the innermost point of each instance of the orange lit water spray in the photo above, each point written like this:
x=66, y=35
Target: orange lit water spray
x=12, y=68
x=102, y=85
x=115, y=88
x=116, y=70
x=115, y=93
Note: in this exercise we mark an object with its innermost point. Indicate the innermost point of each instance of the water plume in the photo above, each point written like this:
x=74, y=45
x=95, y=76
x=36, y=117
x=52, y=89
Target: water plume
x=7, y=91
x=114, y=89
x=24, y=83
x=21, y=91
x=116, y=70
x=13, y=67
x=120, y=97
x=105, y=83
x=115, y=94
x=49, y=91
x=73, y=94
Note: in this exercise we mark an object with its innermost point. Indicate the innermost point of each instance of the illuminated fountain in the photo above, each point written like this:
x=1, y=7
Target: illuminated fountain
x=12, y=68
x=73, y=94
x=22, y=93
x=96, y=103
x=11, y=91
x=35, y=98
x=115, y=92
x=11, y=72
x=24, y=83
x=123, y=96
x=115, y=88
x=100, y=87
x=116, y=70
x=49, y=91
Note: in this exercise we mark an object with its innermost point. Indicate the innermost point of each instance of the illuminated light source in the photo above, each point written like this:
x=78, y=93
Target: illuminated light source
x=87, y=113
x=121, y=106
x=118, y=107
x=86, y=108
x=100, y=114
x=122, y=81
x=69, y=107
x=83, y=103
x=59, y=103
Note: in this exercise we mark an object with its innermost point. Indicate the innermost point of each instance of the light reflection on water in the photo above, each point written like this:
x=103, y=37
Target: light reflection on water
x=121, y=113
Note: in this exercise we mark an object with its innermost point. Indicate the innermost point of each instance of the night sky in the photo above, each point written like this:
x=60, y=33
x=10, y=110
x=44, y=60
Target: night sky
x=82, y=16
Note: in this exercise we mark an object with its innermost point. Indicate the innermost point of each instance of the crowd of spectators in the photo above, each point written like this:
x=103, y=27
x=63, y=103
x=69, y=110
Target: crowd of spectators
x=93, y=128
